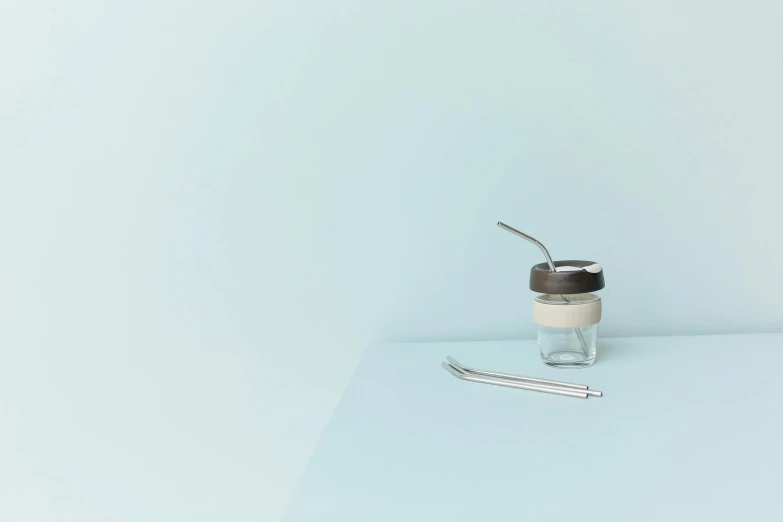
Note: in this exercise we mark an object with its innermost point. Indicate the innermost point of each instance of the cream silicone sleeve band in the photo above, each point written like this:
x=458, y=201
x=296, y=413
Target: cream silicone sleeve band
x=567, y=315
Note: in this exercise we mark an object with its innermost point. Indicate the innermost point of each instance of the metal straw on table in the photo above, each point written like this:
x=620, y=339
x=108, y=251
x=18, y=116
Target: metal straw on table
x=508, y=380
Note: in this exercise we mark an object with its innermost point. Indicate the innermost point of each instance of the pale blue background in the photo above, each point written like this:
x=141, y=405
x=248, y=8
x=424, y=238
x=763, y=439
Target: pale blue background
x=198, y=199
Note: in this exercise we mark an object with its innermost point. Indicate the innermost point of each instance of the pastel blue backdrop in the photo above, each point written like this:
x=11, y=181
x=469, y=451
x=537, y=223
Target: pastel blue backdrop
x=211, y=208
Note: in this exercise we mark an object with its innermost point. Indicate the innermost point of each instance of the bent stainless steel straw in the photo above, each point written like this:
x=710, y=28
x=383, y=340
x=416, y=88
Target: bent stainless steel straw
x=568, y=392
x=551, y=264
x=530, y=380
x=532, y=240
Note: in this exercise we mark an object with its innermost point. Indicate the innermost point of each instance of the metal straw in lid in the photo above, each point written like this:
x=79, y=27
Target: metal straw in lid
x=551, y=264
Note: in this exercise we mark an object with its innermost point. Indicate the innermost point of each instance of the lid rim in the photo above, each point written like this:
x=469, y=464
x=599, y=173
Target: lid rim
x=544, y=281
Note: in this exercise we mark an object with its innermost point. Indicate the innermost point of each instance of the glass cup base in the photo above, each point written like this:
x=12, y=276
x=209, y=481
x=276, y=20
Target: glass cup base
x=567, y=359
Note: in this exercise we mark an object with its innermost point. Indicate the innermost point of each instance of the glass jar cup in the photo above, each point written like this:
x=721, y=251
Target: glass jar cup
x=567, y=328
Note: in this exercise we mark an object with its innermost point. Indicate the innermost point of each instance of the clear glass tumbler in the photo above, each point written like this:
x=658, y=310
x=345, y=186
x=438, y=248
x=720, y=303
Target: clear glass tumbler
x=567, y=329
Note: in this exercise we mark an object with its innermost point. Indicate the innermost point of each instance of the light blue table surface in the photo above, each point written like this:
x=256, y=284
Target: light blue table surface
x=689, y=429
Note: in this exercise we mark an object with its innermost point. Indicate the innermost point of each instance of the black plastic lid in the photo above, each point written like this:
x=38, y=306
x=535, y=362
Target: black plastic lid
x=544, y=281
